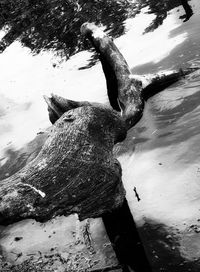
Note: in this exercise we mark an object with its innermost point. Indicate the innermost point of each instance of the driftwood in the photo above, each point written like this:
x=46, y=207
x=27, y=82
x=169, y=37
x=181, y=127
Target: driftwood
x=76, y=172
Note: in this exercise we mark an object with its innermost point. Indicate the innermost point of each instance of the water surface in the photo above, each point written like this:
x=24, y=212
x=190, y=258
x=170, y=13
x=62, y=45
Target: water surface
x=161, y=159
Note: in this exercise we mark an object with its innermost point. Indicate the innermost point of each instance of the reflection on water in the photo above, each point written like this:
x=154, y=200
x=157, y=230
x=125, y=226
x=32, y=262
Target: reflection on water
x=164, y=168
x=170, y=117
x=176, y=113
x=160, y=157
x=55, y=25
x=185, y=54
x=161, y=8
x=14, y=160
x=163, y=248
x=188, y=10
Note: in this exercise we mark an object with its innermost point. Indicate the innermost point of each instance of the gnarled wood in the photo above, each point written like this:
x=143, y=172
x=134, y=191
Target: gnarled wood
x=58, y=105
x=75, y=172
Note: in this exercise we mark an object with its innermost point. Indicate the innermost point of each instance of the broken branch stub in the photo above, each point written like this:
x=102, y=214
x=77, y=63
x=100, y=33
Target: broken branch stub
x=58, y=105
x=75, y=172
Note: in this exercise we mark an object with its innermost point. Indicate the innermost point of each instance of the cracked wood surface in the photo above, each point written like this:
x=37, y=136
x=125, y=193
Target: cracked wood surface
x=74, y=172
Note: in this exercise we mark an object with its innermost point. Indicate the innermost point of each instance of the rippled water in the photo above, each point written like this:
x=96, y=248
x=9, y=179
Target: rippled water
x=165, y=169
x=161, y=159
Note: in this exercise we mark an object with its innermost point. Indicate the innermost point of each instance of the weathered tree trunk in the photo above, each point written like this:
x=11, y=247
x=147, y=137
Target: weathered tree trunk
x=75, y=172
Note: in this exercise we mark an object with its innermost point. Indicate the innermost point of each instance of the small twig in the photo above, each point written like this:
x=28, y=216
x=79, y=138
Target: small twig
x=87, y=236
x=136, y=194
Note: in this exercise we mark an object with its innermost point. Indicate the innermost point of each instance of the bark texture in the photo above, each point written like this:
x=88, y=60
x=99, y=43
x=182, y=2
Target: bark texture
x=123, y=91
x=75, y=172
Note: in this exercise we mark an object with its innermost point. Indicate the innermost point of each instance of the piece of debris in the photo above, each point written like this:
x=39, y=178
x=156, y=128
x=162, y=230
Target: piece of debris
x=18, y=239
x=136, y=194
x=195, y=228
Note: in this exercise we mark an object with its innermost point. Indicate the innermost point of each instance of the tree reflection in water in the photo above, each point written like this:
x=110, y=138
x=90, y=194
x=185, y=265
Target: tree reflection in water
x=188, y=10
x=160, y=9
x=54, y=24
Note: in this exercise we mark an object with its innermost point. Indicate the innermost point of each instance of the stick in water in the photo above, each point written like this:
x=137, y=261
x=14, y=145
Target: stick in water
x=136, y=194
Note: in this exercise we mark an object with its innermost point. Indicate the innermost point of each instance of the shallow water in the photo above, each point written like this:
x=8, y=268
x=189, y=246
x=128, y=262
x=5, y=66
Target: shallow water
x=160, y=156
x=161, y=159
x=184, y=54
